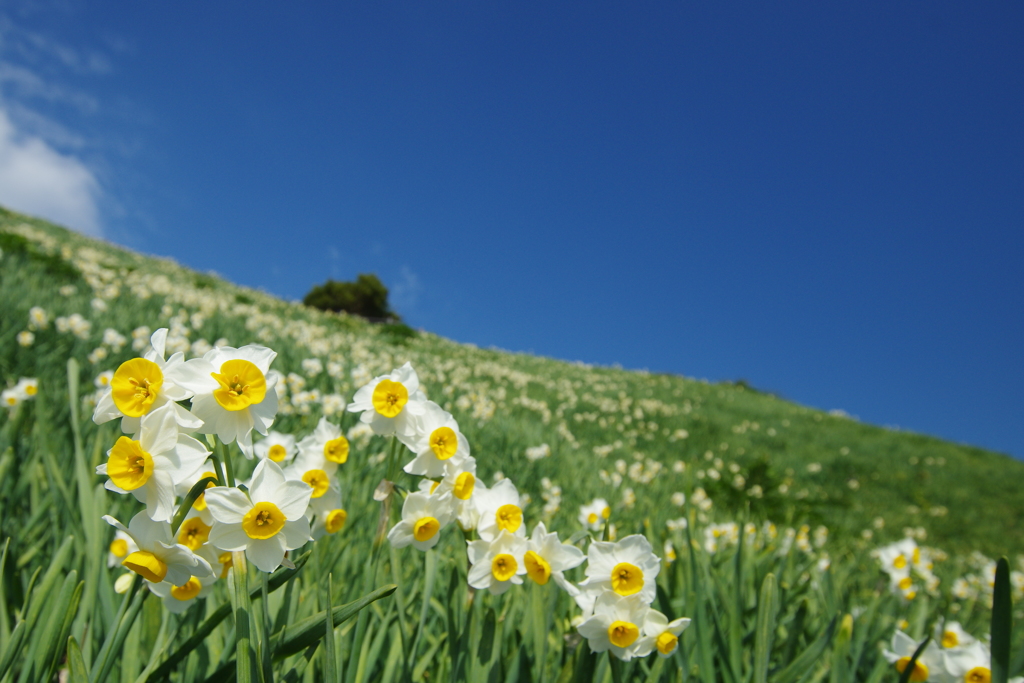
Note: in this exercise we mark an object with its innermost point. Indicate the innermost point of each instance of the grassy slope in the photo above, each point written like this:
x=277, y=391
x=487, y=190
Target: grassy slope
x=905, y=478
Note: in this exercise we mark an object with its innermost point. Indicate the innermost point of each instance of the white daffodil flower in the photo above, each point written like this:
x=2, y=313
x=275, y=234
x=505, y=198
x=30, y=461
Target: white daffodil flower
x=628, y=567
x=158, y=557
x=177, y=599
x=615, y=625
x=194, y=531
x=437, y=442
x=928, y=664
x=497, y=564
x=151, y=467
x=391, y=403
x=276, y=446
x=268, y=521
x=232, y=393
x=500, y=509
x=952, y=636
x=897, y=558
x=142, y=385
x=330, y=516
x=423, y=517
x=661, y=634
x=324, y=449
x=207, y=470
x=121, y=547
x=971, y=663
x=594, y=514
x=548, y=558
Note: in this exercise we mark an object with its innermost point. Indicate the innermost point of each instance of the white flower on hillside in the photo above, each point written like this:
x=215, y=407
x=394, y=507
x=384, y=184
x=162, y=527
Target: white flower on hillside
x=158, y=557
x=276, y=446
x=27, y=388
x=142, y=385
x=423, y=517
x=233, y=394
x=594, y=514
x=928, y=664
x=330, y=516
x=151, y=467
x=437, y=442
x=177, y=599
x=324, y=449
x=497, y=564
x=615, y=625
x=897, y=557
x=971, y=663
x=548, y=558
x=390, y=403
x=120, y=548
x=499, y=509
x=268, y=521
x=952, y=636
x=661, y=634
x=628, y=567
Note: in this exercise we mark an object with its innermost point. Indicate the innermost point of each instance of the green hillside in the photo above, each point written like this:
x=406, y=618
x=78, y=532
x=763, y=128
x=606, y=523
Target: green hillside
x=810, y=466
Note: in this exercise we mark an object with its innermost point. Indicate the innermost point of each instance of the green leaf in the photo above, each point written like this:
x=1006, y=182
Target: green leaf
x=764, y=632
x=912, y=664
x=1002, y=621
x=484, y=650
x=14, y=643
x=241, y=605
x=186, y=505
x=330, y=657
x=77, y=672
x=802, y=664
x=297, y=637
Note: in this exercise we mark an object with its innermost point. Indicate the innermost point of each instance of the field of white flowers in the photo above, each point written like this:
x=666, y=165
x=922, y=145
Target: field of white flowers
x=200, y=482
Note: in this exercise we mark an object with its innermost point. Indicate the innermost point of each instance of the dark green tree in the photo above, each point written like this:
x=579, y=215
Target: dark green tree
x=366, y=297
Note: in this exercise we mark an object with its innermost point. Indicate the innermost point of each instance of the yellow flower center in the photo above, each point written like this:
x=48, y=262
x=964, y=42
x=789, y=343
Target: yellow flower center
x=135, y=386
x=606, y=512
x=119, y=547
x=623, y=633
x=129, y=467
x=425, y=529
x=444, y=442
x=336, y=450
x=905, y=583
x=193, y=533
x=666, y=643
x=509, y=517
x=318, y=481
x=147, y=565
x=900, y=562
x=277, y=452
x=917, y=555
x=592, y=518
x=627, y=579
x=537, y=567
x=225, y=564
x=264, y=520
x=31, y=389
x=12, y=400
x=978, y=674
x=464, y=484
x=504, y=567
x=241, y=385
x=390, y=397
x=335, y=520
x=188, y=591
x=918, y=675
x=200, y=503
x=949, y=639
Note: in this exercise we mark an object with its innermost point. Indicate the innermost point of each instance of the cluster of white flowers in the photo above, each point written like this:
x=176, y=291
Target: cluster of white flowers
x=24, y=390
x=952, y=655
x=982, y=582
x=905, y=561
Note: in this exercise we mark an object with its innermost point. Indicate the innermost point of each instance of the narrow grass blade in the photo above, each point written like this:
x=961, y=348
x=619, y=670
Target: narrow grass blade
x=186, y=505
x=241, y=605
x=76, y=664
x=803, y=663
x=764, y=633
x=1002, y=621
x=14, y=643
x=297, y=637
x=330, y=656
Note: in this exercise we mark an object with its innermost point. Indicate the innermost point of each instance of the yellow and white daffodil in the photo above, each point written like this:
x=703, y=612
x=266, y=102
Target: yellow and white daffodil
x=232, y=393
x=326, y=514
x=497, y=564
x=177, y=599
x=500, y=509
x=437, y=442
x=627, y=567
x=142, y=385
x=121, y=547
x=423, y=517
x=324, y=449
x=277, y=446
x=594, y=514
x=971, y=663
x=158, y=557
x=548, y=558
x=951, y=636
x=391, y=403
x=929, y=664
x=615, y=625
x=151, y=467
x=267, y=522
x=661, y=634
x=897, y=558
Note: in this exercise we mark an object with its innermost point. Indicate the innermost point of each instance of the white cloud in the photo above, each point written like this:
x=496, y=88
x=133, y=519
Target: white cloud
x=37, y=179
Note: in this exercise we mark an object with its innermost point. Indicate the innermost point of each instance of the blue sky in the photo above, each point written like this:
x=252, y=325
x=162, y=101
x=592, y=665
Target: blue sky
x=824, y=200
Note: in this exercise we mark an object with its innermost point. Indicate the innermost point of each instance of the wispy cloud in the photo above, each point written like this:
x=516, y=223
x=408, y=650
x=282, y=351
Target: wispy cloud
x=37, y=179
